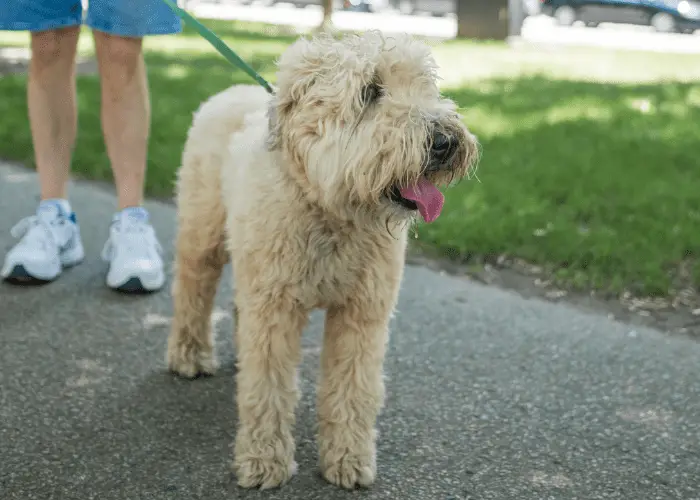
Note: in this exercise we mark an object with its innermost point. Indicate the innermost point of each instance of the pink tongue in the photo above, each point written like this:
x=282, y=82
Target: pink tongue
x=428, y=198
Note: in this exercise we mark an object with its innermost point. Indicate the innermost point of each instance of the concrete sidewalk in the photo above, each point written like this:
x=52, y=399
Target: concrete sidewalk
x=489, y=396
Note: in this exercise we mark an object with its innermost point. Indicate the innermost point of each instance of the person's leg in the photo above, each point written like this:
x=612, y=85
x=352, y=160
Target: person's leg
x=125, y=112
x=119, y=27
x=50, y=239
x=51, y=102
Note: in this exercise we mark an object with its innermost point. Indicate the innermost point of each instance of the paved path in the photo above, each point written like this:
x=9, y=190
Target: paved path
x=537, y=29
x=490, y=396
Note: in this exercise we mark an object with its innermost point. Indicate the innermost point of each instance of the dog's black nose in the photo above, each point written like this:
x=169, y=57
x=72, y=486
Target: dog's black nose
x=442, y=147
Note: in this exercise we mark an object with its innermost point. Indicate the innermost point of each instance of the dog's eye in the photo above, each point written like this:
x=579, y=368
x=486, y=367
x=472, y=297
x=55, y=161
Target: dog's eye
x=371, y=93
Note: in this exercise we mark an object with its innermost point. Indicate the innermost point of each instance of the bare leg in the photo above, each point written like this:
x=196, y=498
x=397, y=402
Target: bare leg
x=269, y=352
x=125, y=112
x=199, y=259
x=51, y=103
x=351, y=394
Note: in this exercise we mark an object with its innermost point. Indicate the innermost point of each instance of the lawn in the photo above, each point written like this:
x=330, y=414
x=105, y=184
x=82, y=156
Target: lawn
x=590, y=163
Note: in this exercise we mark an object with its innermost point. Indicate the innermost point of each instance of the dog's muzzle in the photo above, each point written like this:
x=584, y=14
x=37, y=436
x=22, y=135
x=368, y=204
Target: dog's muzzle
x=443, y=159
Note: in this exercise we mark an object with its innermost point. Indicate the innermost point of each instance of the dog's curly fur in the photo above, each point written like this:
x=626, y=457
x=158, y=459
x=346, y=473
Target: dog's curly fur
x=298, y=191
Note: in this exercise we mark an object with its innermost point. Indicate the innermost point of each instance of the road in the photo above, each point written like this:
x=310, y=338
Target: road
x=537, y=29
x=490, y=396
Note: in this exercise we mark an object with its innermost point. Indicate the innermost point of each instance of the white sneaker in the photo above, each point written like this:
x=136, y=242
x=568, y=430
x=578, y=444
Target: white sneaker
x=49, y=242
x=133, y=253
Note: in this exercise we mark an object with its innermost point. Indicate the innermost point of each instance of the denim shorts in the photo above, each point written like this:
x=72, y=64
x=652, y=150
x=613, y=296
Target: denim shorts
x=129, y=18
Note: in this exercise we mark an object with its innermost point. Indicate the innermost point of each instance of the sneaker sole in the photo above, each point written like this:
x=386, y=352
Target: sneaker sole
x=134, y=286
x=20, y=276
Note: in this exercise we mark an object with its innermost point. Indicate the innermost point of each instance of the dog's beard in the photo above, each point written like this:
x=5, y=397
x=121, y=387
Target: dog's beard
x=340, y=190
x=441, y=168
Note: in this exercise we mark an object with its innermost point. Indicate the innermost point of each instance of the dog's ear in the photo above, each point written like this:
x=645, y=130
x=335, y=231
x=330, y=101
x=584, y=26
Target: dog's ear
x=277, y=113
x=274, y=132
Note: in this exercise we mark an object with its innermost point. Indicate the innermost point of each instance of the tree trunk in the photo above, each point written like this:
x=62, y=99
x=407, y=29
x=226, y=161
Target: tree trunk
x=327, y=22
x=482, y=19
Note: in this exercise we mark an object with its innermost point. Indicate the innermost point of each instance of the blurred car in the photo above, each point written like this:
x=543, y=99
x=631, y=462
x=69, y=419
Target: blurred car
x=357, y=6
x=351, y=5
x=665, y=16
x=365, y=5
x=436, y=8
x=532, y=7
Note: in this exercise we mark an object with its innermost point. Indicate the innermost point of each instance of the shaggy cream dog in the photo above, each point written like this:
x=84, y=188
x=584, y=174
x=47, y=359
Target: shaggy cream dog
x=310, y=194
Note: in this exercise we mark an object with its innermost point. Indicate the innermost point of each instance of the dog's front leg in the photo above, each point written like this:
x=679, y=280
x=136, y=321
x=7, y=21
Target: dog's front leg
x=351, y=393
x=268, y=343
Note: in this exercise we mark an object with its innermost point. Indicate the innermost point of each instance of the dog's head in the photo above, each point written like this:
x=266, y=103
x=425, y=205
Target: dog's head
x=364, y=127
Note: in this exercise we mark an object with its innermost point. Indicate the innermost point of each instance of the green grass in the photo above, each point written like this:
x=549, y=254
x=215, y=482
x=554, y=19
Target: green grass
x=590, y=166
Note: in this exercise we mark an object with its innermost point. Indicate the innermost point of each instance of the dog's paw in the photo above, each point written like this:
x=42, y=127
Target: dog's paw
x=190, y=363
x=265, y=473
x=349, y=471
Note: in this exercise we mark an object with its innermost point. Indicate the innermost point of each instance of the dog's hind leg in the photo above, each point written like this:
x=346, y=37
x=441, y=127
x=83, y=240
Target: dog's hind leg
x=269, y=352
x=351, y=393
x=200, y=256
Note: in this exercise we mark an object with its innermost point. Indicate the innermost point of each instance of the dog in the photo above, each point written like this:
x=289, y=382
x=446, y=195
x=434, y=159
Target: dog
x=310, y=194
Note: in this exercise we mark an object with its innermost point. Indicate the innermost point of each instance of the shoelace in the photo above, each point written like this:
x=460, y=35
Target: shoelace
x=133, y=237
x=35, y=230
